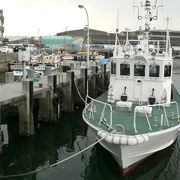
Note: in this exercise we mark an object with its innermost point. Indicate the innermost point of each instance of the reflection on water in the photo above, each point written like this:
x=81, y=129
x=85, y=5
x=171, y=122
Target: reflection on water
x=69, y=135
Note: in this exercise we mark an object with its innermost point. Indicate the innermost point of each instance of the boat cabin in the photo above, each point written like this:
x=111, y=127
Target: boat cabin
x=141, y=73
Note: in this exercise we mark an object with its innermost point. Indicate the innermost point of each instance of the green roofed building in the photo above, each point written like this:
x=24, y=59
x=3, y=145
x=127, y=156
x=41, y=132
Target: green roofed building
x=56, y=41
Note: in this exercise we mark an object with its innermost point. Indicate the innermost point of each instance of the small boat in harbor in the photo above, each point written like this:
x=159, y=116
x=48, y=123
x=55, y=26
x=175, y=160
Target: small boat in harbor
x=139, y=114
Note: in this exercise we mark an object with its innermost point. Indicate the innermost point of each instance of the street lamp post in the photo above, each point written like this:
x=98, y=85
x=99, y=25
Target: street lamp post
x=108, y=34
x=82, y=7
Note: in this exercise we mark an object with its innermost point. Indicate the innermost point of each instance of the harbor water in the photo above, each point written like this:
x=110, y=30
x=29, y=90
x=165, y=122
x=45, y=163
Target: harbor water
x=55, y=142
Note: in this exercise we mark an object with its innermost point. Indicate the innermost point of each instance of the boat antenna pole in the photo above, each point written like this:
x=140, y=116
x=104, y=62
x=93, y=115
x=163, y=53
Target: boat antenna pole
x=117, y=29
x=127, y=36
x=167, y=38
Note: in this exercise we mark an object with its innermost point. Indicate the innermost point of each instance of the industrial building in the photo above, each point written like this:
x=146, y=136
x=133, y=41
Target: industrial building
x=98, y=38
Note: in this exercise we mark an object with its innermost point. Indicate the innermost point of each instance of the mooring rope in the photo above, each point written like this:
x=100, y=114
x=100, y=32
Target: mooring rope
x=57, y=163
x=79, y=91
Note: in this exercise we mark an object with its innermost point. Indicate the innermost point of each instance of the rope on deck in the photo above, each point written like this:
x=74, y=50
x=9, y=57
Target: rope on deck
x=55, y=164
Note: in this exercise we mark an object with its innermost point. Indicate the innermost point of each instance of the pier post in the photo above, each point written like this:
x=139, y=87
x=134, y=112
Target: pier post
x=1, y=149
x=68, y=93
x=84, y=79
x=104, y=75
x=49, y=104
x=93, y=80
x=103, y=69
x=30, y=73
x=26, y=120
x=48, y=70
x=9, y=77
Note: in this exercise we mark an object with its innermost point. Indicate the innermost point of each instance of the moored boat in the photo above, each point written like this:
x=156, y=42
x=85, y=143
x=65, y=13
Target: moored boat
x=138, y=115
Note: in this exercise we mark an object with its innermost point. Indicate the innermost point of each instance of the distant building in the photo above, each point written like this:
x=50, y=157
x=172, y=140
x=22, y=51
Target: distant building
x=1, y=26
x=102, y=37
x=56, y=42
x=95, y=36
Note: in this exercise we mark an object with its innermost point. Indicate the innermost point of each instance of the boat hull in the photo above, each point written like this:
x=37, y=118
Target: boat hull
x=128, y=157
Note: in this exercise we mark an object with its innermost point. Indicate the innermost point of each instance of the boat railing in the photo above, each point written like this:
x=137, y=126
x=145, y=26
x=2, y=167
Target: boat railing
x=103, y=108
x=163, y=116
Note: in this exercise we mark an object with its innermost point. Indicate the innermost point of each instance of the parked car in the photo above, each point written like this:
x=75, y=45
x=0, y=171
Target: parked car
x=6, y=49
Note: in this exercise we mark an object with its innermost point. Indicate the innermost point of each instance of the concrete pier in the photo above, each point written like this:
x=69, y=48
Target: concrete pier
x=55, y=92
x=26, y=121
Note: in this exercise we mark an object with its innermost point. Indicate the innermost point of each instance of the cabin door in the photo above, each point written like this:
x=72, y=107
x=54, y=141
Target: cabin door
x=138, y=89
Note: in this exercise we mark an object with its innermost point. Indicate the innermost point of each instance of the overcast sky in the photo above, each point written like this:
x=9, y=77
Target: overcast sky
x=47, y=17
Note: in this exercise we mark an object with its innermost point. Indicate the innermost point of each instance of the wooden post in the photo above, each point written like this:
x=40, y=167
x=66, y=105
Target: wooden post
x=9, y=77
x=93, y=80
x=84, y=77
x=49, y=104
x=26, y=121
x=70, y=92
x=103, y=69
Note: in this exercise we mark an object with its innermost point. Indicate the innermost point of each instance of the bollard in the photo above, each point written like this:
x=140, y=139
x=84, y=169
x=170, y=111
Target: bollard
x=26, y=120
x=9, y=77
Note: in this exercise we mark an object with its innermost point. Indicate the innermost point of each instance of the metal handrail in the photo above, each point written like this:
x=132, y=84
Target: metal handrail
x=154, y=105
x=105, y=104
x=135, y=112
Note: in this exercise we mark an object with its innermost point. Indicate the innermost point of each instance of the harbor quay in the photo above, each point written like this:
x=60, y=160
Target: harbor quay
x=54, y=93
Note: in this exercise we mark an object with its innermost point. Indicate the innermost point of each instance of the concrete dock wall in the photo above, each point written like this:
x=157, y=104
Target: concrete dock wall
x=60, y=92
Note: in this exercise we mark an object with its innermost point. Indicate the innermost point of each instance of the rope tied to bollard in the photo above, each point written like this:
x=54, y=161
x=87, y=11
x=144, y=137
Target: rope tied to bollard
x=57, y=163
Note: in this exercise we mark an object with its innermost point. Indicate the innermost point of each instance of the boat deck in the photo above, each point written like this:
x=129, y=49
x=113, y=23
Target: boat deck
x=162, y=117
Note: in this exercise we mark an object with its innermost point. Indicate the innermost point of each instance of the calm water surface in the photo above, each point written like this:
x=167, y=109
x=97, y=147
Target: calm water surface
x=69, y=135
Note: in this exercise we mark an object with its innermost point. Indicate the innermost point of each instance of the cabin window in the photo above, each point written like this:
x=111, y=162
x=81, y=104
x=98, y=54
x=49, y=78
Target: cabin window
x=125, y=69
x=154, y=71
x=139, y=70
x=167, y=71
x=113, y=68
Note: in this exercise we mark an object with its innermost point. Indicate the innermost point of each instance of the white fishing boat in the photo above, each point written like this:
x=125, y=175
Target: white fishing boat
x=52, y=61
x=138, y=115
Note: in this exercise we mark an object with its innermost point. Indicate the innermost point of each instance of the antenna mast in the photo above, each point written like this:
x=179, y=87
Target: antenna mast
x=117, y=30
x=149, y=14
x=167, y=38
